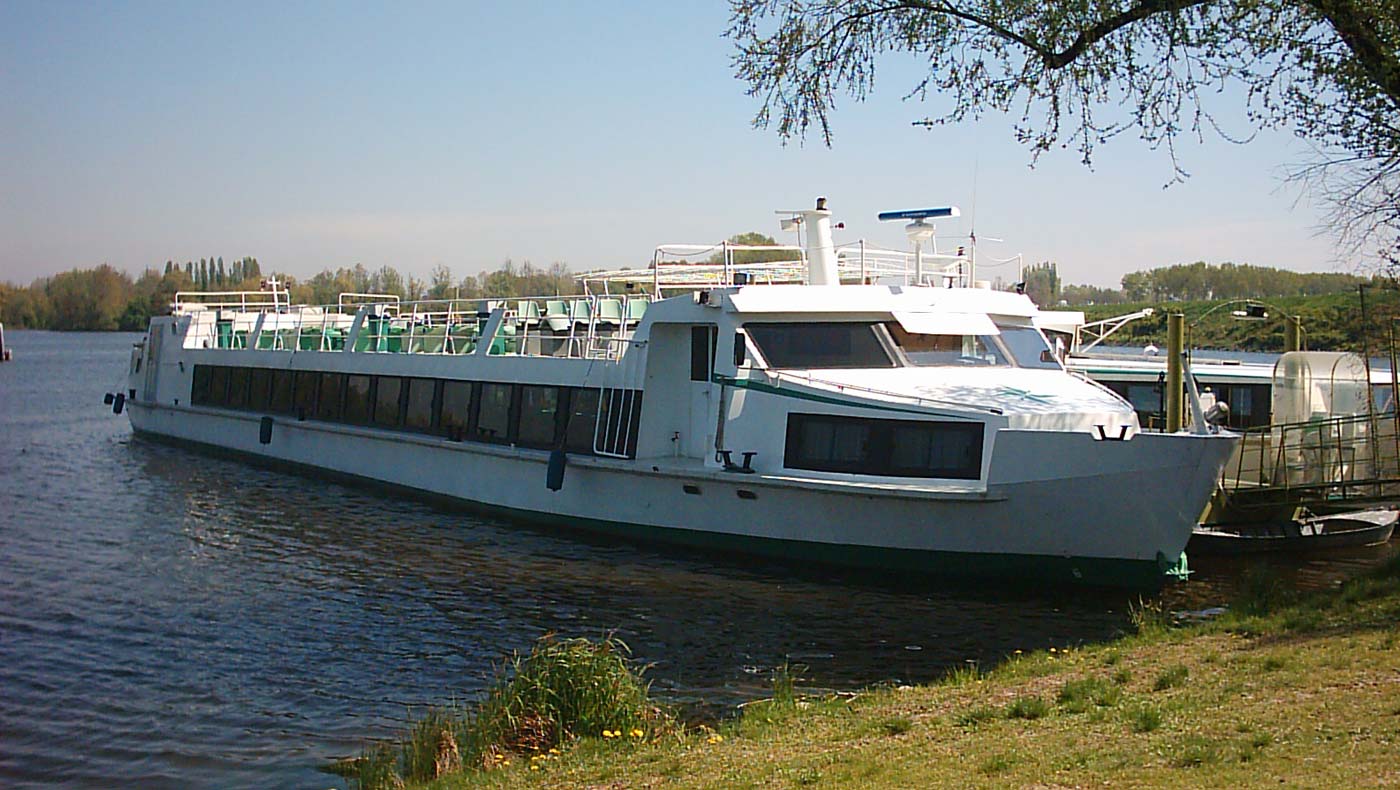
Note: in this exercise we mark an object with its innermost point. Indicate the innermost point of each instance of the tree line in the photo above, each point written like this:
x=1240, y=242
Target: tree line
x=107, y=299
x=1190, y=282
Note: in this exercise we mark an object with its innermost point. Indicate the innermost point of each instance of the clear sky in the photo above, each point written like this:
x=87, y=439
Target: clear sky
x=415, y=134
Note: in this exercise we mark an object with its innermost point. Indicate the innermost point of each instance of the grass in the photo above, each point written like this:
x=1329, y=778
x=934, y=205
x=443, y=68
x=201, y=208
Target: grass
x=1295, y=693
x=560, y=691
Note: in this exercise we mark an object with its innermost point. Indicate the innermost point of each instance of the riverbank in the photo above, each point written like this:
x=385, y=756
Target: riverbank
x=1301, y=692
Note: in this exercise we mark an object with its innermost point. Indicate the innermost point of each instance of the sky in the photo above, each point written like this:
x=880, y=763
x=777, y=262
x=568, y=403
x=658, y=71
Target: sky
x=316, y=135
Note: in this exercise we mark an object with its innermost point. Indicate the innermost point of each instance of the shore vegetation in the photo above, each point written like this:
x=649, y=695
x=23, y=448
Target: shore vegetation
x=1282, y=689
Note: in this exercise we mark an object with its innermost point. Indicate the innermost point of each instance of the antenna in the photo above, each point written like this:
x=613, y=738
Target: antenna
x=919, y=231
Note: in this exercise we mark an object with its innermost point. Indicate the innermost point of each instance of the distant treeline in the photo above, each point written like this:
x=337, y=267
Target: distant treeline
x=1330, y=322
x=1191, y=282
x=105, y=299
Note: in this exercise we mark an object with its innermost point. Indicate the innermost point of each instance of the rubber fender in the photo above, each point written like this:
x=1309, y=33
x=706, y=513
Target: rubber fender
x=118, y=403
x=265, y=431
x=554, y=478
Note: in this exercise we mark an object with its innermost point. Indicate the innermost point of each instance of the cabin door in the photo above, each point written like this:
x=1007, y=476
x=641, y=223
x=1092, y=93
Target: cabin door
x=153, y=343
x=700, y=439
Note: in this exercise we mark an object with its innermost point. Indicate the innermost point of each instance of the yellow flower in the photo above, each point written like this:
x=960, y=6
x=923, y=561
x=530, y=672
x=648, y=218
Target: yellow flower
x=637, y=733
x=534, y=766
x=553, y=750
x=1052, y=650
x=611, y=734
x=715, y=738
x=1018, y=652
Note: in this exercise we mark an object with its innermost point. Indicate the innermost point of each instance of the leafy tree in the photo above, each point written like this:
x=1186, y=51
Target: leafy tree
x=1042, y=283
x=440, y=282
x=755, y=239
x=1076, y=74
x=222, y=275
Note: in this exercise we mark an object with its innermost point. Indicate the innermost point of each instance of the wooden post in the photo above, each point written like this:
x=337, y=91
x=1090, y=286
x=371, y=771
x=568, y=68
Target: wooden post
x=1175, y=387
x=1292, y=333
x=4, y=352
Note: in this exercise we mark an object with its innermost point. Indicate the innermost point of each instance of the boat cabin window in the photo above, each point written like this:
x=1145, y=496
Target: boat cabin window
x=891, y=448
x=387, y=390
x=304, y=392
x=847, y=344
x=1028, y=347
x=582, y=421
x=355, y=408
x=238, y=387
x=493, y=420
x=259, y=388
x=418, y=412
x=929, y=350
x=330, y=393
x=456, y=408
x=588, y=421
x=539, y=411
x=281, y=400
x=199, y=386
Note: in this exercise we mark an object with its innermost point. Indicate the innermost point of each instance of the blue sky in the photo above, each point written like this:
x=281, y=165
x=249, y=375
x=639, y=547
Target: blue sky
x=317, y=135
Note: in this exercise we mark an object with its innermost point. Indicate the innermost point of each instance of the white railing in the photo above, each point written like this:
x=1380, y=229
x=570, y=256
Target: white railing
x=680, y=267
x=243, y=301
x=580, y=326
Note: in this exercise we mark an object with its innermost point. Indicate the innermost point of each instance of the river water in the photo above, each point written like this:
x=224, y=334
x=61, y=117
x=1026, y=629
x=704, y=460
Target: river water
x=173, y=619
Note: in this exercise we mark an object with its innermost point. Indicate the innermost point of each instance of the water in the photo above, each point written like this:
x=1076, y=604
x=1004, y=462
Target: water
x=169, y=618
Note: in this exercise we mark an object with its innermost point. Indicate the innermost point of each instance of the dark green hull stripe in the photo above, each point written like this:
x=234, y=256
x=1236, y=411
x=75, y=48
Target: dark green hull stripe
x=924, y=566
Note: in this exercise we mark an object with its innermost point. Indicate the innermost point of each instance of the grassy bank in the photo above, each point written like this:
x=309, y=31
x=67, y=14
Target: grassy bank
x=1331, y=322
x=1301, y=692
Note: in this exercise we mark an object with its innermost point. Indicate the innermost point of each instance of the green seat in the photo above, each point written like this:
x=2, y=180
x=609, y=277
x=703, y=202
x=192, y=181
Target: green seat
x=240, y=339
x=267, y=340
x=309, y=339
x=394, y=341
x=463, y=338
x=581, y=311
x=609, y=311
x=636, y=308
x=505, y=341
x=431, y=340
x=528, y=312
x=556, y=314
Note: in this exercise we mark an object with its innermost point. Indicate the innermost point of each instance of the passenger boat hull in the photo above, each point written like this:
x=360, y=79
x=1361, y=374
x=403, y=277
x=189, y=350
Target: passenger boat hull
x=1042, y=517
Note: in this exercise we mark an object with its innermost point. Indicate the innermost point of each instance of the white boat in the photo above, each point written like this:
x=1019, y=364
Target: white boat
x=892, y=423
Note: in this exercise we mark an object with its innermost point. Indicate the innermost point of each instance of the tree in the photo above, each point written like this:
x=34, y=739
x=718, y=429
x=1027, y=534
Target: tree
x=1042, y=283
x=1080, y=73
x=222, y=275
x=755, y=239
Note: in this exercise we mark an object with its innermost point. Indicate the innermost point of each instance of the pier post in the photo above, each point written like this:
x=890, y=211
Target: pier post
x=1292, y=333
x=1175, y=387
x=4, y=352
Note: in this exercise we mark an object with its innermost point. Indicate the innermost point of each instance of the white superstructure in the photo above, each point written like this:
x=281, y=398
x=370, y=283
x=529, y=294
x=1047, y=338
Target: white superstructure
x=889, y=422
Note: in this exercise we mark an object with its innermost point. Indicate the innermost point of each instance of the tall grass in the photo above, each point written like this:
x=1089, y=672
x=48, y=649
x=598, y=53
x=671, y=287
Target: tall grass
x=561, y=690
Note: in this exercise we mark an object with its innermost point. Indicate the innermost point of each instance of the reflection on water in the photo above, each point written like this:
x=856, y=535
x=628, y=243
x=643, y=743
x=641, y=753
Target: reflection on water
x=169, y=617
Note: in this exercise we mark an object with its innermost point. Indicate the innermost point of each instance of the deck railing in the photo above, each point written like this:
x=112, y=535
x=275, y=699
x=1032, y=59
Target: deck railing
x=578, y=326
x=1328, y=461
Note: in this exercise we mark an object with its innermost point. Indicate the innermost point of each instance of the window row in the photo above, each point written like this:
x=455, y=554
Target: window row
x=539, y=416
x=893, y=448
